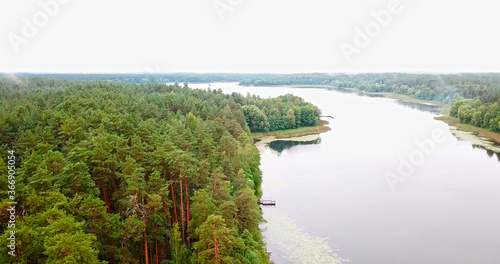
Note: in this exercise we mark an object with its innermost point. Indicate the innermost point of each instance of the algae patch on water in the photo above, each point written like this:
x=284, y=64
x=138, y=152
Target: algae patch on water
x=296, y=245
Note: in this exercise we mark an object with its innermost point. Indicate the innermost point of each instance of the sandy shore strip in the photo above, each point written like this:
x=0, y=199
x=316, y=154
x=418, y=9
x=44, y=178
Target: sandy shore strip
x=262, y=144
x=474, y=139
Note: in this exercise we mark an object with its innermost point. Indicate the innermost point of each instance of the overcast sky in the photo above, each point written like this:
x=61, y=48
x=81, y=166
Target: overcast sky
x=280, y=36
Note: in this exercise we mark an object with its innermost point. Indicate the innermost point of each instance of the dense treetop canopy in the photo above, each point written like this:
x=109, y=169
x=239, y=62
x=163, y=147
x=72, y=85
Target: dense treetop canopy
x=126, y=173
x=474, y=112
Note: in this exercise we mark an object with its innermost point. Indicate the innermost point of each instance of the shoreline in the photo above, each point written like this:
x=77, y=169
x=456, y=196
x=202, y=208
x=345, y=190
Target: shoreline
x=293, y=133
x=389, y=95
x=475, y=135
x=301, y=134
x=261, y=145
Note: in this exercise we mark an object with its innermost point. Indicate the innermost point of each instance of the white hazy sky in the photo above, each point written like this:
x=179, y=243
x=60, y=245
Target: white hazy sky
x=280, y=36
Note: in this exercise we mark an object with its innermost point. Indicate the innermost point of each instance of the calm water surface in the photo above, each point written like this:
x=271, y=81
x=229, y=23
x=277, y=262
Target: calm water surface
x=335, y=203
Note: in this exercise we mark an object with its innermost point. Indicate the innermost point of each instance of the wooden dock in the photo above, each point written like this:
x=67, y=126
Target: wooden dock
x=267, y=203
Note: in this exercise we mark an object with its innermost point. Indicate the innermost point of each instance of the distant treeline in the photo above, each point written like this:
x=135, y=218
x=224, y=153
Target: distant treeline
x=126, y=173
x=439, y=87
x=481, y=91
x=141, y=78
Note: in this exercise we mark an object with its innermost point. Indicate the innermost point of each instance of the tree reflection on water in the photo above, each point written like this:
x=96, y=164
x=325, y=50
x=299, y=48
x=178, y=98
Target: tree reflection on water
x=279, y=145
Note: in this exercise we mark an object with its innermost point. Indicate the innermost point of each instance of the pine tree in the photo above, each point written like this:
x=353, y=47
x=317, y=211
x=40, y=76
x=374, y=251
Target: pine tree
x=218, y=243
x=179, y=252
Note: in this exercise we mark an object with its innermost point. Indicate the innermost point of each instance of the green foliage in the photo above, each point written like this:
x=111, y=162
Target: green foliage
x=255, y=118
x=290, y=118
x=474, y=112
x=145, y=78
x=67, y=243
x=124, y=173
x=218, y=243
x=180, y=254
x=284, y=112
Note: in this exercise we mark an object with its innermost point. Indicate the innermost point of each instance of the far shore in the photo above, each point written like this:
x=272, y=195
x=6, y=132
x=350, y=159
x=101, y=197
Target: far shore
x=475, y=135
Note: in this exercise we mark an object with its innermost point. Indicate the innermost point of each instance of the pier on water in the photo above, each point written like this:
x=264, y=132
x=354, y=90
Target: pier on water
x=267, y=203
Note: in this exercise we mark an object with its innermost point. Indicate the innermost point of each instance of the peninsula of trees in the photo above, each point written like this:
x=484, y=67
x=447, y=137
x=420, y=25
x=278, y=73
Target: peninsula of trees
x=475, y=97
x=127, y=173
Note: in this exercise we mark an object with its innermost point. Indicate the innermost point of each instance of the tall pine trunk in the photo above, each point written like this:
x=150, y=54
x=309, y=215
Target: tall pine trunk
x=112, y=254
x=146, y=245
x=151, y=253
x=173, y=199
x=156, y=246
x=216, y=246
x=156, y=240
x=188, y=214
x=182, y=210
x=187, y=200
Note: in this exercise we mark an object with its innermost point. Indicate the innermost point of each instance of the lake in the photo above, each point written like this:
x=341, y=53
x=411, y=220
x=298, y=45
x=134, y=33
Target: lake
x=387, y=185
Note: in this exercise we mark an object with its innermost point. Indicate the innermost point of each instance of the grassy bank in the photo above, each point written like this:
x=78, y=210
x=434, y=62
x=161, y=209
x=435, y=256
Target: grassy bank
x=401, y=97
x=409, y=99
x=481, y=132
x=297, y=132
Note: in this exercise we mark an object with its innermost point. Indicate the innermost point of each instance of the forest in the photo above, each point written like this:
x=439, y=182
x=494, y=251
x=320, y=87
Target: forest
x=147, y=77
x=439, y=87
x=477, y=113
x=284, y=112
x=111, y=172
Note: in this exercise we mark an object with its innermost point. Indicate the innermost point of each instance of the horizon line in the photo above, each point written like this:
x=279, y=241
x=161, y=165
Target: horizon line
x=262, y=73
